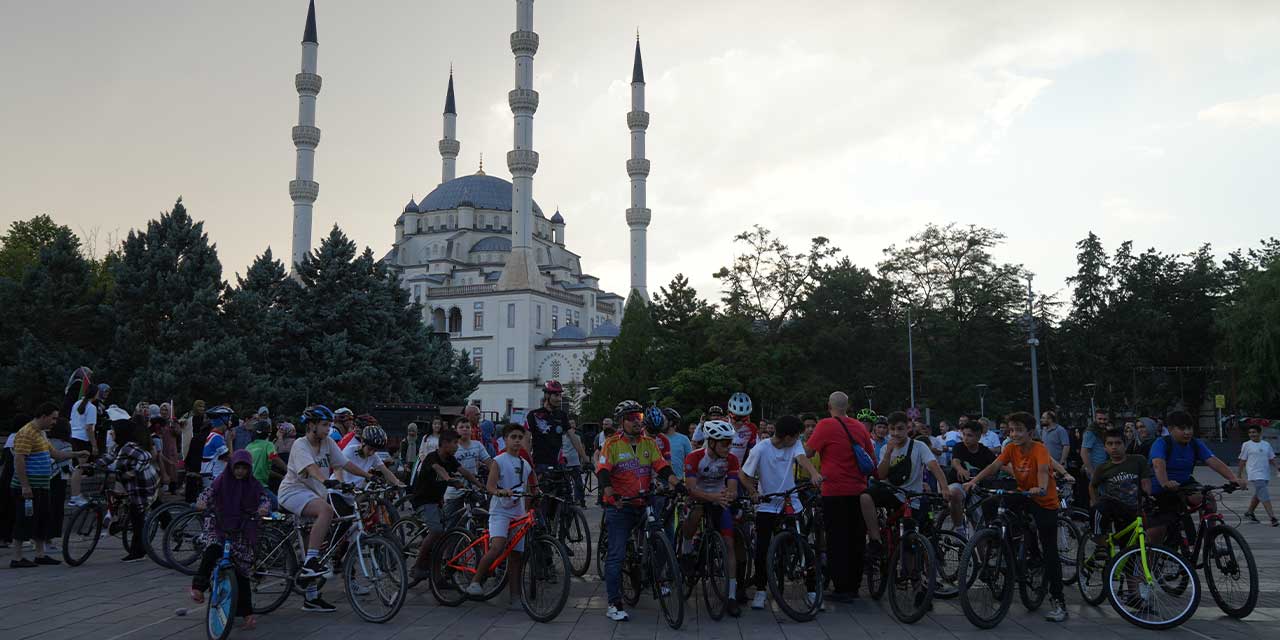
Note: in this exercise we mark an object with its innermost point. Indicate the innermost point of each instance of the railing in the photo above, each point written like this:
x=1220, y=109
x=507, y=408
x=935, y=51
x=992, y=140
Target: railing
x=571, y=298
x=604, y=307
x=461, y=290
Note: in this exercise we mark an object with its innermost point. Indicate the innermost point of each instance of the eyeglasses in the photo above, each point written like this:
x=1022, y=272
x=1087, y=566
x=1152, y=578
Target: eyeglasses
x=634, y=417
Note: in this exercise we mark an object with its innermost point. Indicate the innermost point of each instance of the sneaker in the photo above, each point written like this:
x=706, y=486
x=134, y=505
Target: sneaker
x=77, y=501
x=758, y=601
x=52, y=549
x=1057, y=611
x=22, y=564
x=1248, y=515
x=134, y=557
x=734, y=608
x=1275, y=522
x=314, y=568
x=47, y=561
x=418, y=574
x=811, y=597
x=474, y=589
x=616, y=614
x=318, y=606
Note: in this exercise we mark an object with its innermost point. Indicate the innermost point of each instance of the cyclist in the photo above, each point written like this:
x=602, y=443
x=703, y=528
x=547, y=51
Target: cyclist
x=903, y=460
x=745, y=433
x=303, y=493
x=714, y=412
x=213, y=458
x=343, y=428
x=233, y=503
x=967, y=459
x=655, y=422
x=1173, y=459
x=1030, y=464
x=574, y=455
x=711, y=475
x=1116, y=489
x=429, y=490
x=472, y=457
x=681, y=446
x=771, y=469
x=509, y=473
x=363, y=452
x=265, y=458
x=625, y=466
x=546, y=426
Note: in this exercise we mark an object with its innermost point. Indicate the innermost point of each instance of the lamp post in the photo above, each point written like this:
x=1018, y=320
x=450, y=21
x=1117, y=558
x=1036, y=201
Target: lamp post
x=911, y=360
x=1033, y=342
x=982, y=399
x=869, y=390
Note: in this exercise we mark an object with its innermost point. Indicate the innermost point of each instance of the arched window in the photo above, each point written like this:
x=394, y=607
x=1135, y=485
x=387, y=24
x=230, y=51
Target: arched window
x=455, y=320
x=437, y=319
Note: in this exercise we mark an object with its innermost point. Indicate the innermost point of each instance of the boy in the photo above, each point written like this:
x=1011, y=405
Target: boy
x=711, y=475
x=437, y=473
x=903, y=460
x=1029, y=461
x=1116, y=489
x=263, y=452
x=1257, y=457
x=769, y=470
x=510, y=478
x=967, y=459
x=472, y=456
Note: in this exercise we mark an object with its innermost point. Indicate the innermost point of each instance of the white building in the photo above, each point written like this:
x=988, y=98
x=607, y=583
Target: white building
x=488, y=267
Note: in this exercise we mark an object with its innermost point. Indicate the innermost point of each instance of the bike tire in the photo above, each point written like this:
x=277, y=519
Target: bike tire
x=1032, y=584
x=1069, y=532
x=183, y=543
x=576, y=535
x=220, y=614
x=379, y=561
x=545, y=579
x=153, y=528
x=948, y=546
x=715, y=575
x=914, y=566
x=632, y=570
x=451, y=568
x=1091, y=578
x=665, y=579
x=791, y=559
x=408, y=533
x=602, y=547
x=1224, y=551
x=275, y=563
x=80, y=536
x=1163, y=564
x=986, y=568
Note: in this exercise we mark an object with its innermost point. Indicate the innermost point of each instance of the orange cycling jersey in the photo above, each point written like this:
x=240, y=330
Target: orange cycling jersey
x=631, y=466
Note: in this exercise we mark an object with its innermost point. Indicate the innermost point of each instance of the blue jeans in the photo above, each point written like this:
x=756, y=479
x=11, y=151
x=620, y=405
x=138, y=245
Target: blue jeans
x=619, y=521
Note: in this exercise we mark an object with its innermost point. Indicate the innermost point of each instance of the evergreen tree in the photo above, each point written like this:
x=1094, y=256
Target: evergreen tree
x=261, y=309
x=1092, y=281
x=681, y=324
x=623, y=370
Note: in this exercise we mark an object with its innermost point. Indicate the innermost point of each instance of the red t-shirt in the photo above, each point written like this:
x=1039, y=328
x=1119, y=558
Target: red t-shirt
x=664, y=445
x=840, y=473
x=346, y=440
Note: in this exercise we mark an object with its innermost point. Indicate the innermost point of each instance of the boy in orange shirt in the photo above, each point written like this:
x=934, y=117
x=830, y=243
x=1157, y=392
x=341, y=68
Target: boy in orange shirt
x=1030, y=465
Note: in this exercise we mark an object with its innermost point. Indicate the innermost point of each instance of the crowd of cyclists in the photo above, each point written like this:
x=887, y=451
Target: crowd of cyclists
x=801, y=510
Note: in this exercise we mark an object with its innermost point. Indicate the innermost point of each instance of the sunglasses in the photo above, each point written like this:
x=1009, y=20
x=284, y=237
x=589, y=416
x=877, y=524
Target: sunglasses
x=634, y=417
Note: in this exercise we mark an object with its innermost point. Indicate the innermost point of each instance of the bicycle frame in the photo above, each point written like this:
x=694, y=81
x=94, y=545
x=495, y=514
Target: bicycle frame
x=1133, y=534
x=521, y=527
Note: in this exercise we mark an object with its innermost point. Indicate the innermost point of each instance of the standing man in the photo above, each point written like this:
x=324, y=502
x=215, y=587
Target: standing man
x=546, y=426
x=990, y=439
x=482, y=430
x=193, y=456
x=1055, y=437
x=1093, y=451
x=834, y=439
x=33, y=458
x=574, y=455
x=745, y=432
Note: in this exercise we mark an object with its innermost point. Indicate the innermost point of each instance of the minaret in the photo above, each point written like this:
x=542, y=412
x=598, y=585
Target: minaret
x=638, y=169
x=521, y=270
x=306, y=137
x=449, y=143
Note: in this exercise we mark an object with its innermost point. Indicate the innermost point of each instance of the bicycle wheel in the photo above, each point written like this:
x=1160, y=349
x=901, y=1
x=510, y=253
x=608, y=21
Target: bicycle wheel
x=1144, y=594
x=1091, y=578
x=912, y=576
x=80, y=536
x=184, y=542
x=1069, y=538
x=664, y=572
x=1032, y=587
x=602, y=547
x=948, y=546
x=575, y=533
x=452, y=567
x=795, y=576
x=544, y=582
x=221, y=613
x=1231, y=571
x=408, y=533
x=986, y=579
x=376, y=578
x=715, y=575
x=632, y=570
x=275, y=563
x=153, y=528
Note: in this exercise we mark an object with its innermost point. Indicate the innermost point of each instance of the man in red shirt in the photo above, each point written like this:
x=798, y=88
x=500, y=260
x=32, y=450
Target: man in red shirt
x=833, y=439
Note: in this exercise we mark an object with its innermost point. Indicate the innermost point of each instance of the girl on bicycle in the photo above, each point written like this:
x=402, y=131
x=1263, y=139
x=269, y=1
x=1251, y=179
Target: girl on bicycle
x=232, y=505
x=133, y=463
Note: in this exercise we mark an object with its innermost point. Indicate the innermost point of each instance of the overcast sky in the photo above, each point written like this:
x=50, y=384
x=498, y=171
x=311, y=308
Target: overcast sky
x=1156, y=122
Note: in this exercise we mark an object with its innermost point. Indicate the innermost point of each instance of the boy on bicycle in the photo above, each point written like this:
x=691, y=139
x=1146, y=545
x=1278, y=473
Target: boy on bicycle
x=903, y=460
x=1116, y=489
x=770, y=469
x=1173, y=460
x=1031, y=466
x=711, y=475
x=509, y=474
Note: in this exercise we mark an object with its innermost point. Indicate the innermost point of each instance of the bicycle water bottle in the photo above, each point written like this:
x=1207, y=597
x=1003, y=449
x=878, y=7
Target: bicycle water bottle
x=29, y=506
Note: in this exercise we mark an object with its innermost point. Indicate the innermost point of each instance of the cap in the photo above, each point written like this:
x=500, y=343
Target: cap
x=153, y=411
x=262, y=411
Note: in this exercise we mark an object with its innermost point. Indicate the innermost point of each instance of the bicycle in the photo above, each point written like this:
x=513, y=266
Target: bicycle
x=791, y=560
x=1073, y=522
x=1220, y=550
x=84, y=529
x=948, y=546
x=908, y=563
x=544, y=587
x=1136, y=578
x=159, y=518
x=706, y=563
x=567, y=521
x=1004, y=552
x=650, y=561
x=224, y=590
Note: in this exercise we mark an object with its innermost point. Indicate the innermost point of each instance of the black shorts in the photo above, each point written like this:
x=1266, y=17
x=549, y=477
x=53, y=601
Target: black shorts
x=37, y=526
x=80, y=445
x=884, y=497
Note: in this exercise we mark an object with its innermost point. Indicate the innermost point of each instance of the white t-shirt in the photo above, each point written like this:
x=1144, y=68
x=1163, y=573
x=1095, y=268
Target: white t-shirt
x=469, y=456
x=303, y=455
x=920, y=456
x=352, y=454
x=773, y=468
x=430, y=443
x=600, y=440
x=514, y=473
x=79, y=421
x=1257, y=458
x=991, y=440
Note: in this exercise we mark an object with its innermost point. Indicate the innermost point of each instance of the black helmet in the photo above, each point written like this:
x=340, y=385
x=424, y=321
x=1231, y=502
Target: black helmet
x=262, y=429
x=673, y=416
x=374, y=436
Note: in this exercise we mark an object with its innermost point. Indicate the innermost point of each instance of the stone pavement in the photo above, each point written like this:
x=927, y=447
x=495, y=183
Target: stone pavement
x=107, y=600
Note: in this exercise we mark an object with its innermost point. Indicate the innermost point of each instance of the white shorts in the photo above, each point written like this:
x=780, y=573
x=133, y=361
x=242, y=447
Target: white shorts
x=295, y=501
x=500, y=525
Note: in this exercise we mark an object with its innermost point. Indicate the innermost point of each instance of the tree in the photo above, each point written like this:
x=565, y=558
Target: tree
x=1092, y=281
x=624, y=369
x=20, y=247
x=682, y=321
x=1252, y=328
x=767, y=282
x=263, y=306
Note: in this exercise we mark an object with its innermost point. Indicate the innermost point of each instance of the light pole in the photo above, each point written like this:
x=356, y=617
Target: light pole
x=1093, y=407
x=982, y=399
x=869, y=390
x=911, y=360
x=1033, y=342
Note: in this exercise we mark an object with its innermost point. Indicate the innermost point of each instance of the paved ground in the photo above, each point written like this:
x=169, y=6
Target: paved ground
x=107, y=600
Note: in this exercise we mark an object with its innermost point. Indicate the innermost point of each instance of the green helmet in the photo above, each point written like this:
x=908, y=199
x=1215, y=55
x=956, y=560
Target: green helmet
x=867, y=416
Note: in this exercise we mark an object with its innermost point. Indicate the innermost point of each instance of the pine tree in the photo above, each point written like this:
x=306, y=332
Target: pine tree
x=681, y=323
x=1092, y=281
x=261, y=309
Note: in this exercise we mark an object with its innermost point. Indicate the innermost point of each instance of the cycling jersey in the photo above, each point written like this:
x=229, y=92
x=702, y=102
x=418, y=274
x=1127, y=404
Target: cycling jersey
x=547, y=428
x=631, y=466
x=710, y=474
x=744, y=438
x=664, y=445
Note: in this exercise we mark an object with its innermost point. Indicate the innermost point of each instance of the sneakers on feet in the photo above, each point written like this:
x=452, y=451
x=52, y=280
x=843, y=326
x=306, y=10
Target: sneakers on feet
x=134, y=557
x=733, y=608
x=314, y=568
x=22, y=564
x=77, y=501
x=1248, y=515
x=616, y=614
x=1057, y=611
x=47, y=561
x=318, y=606
x=474, y=589
x=757, y=602
x=1275, y=522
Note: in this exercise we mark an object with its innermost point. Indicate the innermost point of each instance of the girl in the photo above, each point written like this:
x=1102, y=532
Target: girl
x=133, y=463
x=233, y=504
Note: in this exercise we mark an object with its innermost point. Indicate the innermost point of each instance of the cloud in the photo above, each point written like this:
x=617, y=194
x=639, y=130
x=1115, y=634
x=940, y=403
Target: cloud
x=1262, y=111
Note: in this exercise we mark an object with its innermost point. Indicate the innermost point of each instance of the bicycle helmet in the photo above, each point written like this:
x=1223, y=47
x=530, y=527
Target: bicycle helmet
x=344, y=412
x=715, y=411
x=374, y=436
x=718, y=430
x=552, y=387
x=366, y=420
x=672, y=416
x=654, y=420
x=317, y=413
x=740, y=404
x=262, y=429
x=625, y=407
x=219, y=416
x=866, y=416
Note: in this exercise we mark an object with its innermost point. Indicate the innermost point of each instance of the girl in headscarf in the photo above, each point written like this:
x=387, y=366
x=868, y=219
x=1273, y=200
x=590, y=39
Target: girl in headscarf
x=233, y=505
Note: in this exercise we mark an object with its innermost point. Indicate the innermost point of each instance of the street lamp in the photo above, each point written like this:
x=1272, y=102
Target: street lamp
x=1033, y=342
x=1093, y=407
x=869, y=390
x=982, y=399
x=911, y=361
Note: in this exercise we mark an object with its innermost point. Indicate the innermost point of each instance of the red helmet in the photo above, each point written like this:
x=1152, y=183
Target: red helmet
x=552, y=386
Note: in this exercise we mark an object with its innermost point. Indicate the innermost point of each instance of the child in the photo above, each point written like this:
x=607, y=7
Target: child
x=509, y=474
x=133, y=465
x=769, y=469
x=1116, y=488
x=233, y=504
x=264, y=454
x=429, y=487
x=1257, y=457
x=903, y=460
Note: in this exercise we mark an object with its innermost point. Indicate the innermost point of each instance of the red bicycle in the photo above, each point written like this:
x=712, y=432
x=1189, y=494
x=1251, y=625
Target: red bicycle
x=908, y=563
x=1229, y=567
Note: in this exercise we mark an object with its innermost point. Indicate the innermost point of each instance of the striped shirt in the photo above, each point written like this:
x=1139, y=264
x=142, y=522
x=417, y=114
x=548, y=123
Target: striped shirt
x=32, y=443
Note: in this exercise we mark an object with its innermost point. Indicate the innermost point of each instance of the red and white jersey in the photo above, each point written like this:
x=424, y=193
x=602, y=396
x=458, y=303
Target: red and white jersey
x=744, y=439
x=710, y=474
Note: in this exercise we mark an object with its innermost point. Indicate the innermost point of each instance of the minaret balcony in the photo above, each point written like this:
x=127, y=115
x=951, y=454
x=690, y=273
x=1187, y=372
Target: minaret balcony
x=638, y=167
x=522, y=161
x=307, y=83
x=449, y=148
x=638, y=120
x=523, y=101
x=639, y=216
x=524, y=43
x=304, y=190
x=306, y=136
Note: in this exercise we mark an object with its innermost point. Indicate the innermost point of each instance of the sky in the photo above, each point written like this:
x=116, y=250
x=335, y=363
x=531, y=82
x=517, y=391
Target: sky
x=859, y=121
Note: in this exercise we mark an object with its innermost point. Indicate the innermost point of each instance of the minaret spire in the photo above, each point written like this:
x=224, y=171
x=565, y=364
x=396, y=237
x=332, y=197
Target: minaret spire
x=638, y=215
x=303, y=189
x=521, y=269
x=449, y=145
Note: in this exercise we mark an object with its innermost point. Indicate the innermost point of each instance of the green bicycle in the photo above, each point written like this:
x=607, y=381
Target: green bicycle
x=1150, y=586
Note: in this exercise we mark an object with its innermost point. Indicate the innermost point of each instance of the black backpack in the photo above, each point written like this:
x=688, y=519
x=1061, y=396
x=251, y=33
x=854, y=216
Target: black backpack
x=900, y=471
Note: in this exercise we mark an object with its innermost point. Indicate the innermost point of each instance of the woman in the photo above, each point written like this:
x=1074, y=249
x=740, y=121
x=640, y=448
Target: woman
x=232, y=505
x=432, y=441
x=134, y=467
x=286, y=434
x=168, y=452
x=194, y=433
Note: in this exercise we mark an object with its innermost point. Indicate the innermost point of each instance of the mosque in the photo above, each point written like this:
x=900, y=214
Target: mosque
x=487, y=265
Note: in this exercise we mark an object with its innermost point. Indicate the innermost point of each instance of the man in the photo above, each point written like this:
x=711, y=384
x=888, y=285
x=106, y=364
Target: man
x=1055, y=437
x=195, y=432
x=429, y=490
x=344, y=427
x=472, y=457
x=1092, y=450
x=903, y=461
x=606, y=432
x=1116, y=490
x=1173, y=459
x=711, y=476
x=511, y=483
x=990, y=439
x=483, y=430
x=681, y=446
x=745, y=432
x=546, y=426
x=263, y=453
x=714, y=412
x=364, y=452
x=626, y=466
x=879, y=435
x=33, y=458
x=574, y=456
x=84, y=435
x=1257, y=457
x=844, y=481
x=766, y=430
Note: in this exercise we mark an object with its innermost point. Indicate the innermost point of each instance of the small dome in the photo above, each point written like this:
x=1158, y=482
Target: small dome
x=493, y=243
x=605, y=330
x=412, y=207
x=569, y=332
x=557, y=218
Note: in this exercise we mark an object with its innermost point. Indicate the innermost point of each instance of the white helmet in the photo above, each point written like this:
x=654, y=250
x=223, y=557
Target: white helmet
x=740, y=404
x=718, y=430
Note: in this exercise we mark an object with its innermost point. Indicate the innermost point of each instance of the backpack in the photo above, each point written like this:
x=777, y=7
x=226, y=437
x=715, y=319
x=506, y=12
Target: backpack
x=865, y=464
x=900, y=471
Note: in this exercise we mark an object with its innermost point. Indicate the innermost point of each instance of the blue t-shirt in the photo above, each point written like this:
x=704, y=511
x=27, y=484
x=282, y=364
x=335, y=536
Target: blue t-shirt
x=489, y=436
x=681, y=447
x=1097, y=452
x=1180, y=460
